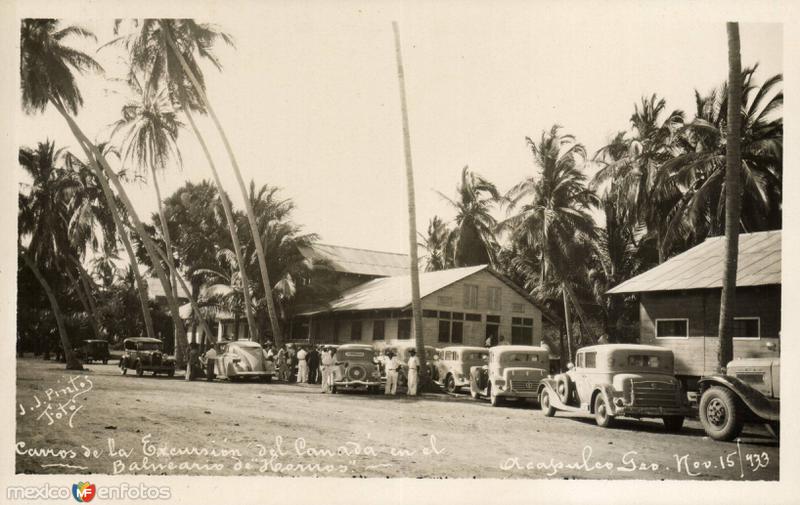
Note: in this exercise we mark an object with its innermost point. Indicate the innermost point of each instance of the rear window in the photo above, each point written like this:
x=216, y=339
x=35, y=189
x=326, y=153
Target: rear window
x=644, y=361
x=355, y=354
x=474, y=356
x=149, y=346
x=521, y=357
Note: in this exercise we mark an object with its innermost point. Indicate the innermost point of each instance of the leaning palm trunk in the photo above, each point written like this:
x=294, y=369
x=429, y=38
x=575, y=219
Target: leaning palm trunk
x=96, y=156
x=226, y=206
x=82, y=297
x=416, y=303
x=69, y=355
x=251, y=217
x=579, y=311
x=83, y=277
x=733, y=198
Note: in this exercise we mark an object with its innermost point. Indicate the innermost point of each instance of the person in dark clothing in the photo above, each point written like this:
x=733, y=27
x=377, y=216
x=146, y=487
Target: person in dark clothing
x=312, y=358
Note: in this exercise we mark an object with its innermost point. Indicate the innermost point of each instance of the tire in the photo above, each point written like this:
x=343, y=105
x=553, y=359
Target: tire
x=268, y=379
x=601, y=413
x=544, y=402
x=673, y=424
x=124, y=370
x=105, y=362
x=139, y=369
x=450, y=384
x=563, y=388
x=494, y=400
x=333, y=390
x=721, y=413
x=171, y=373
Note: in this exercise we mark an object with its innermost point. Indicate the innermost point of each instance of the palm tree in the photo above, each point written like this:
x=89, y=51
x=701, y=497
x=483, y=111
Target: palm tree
x=701, y=168
x=169, y=50
x=46, y=77
x=416, y=303
x=439, y=244
x=733, y=202
x=550, y=215
x=227, y=290
x=475, y=240
x=43, y=218
x=83, y=231
x=636, y=163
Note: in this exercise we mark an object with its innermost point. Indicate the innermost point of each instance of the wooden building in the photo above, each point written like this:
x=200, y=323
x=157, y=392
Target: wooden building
x=351, y=266
x=460, y=306
x=679, y=302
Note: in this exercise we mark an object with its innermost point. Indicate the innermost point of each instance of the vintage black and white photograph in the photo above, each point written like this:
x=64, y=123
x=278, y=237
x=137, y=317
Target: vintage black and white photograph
x=528, y=242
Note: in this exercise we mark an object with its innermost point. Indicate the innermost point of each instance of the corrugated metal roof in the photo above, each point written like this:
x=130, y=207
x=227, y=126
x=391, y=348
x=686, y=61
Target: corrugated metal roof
x=358, y=261
x=702, y=266
x=156, y=290
x=395, y=292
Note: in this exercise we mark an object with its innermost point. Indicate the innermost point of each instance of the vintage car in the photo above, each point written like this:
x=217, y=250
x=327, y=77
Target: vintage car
x=454, y=363
x=510, y=372
x=750, y=391
x=356, y=369
x=402, y=349
x=243, y=359
x=146, y=355
x=93, y=350
x=614, y=380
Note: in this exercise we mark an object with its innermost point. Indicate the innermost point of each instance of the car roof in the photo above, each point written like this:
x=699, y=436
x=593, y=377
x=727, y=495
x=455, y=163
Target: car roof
x=244, y=343
x=360, y=347
x=464, y=348
x=97, y=340
x=142, y=339
x=518, y=348
x=624, y=347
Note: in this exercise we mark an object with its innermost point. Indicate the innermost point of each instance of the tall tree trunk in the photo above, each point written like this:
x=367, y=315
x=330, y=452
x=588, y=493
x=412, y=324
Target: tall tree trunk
x=231, y=221
x=567, y=322
x=582, y=318
x=94, y=154
x=251, y=217
x=85, y=280
x=162, y=217
x=69, y=355
x=416, y=303
x=733, y=198
x=85, y=302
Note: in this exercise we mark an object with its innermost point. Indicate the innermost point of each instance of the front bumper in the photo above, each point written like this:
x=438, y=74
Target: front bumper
x=511, y=393
x=634, y=411
x=356, y=384
x=159, y=368
x=251, y=374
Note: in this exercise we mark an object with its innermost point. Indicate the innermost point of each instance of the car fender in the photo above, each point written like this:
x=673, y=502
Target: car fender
x=549, y=385
x=607, y=391
x=759, y=404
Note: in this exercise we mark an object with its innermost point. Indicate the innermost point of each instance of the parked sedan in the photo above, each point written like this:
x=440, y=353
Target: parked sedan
x=244, y=359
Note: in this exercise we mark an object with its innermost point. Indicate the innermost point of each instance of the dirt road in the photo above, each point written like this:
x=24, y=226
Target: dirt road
x=132, y=425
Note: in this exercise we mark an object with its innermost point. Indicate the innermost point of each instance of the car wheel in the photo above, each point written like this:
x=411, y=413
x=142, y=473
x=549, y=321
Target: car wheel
x=171, y=373
x=333, y=390
x=450, y=384
x=105, y=362
x=673, y=424
x=544, y=402
x=602, y=414
x=494, y=400
x=124, y=370
x=721, y=413
x=139, y=369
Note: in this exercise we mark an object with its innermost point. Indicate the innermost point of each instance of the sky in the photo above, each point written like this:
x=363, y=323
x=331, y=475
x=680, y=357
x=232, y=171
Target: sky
x=309, y=99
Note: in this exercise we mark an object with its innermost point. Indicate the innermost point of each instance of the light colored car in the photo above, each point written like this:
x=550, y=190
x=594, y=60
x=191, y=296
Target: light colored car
x=615, y=380
x=356, y=369
x=402, y=349
x=750, y=391
x=244, y=359
x=454, y=363
x=511, y=372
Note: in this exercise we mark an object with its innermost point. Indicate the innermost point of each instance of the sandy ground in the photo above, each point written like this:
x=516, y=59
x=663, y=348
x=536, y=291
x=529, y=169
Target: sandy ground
x=131, y=425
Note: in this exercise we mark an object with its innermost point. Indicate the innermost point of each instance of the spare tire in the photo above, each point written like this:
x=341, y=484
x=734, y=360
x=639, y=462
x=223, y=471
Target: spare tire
x=356, y=373
x=482, y=379
x=563, y=388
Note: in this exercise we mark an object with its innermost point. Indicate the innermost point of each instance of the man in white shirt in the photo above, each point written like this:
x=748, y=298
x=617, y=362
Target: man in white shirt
x=392, y=367
x=210, y=359
x=302, y=366
x=413, y=373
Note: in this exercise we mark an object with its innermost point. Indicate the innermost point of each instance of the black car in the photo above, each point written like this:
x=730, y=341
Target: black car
x=146, y=354
x=93, y=350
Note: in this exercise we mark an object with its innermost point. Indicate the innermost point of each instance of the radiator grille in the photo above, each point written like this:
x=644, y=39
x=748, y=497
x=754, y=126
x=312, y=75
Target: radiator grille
x=654, y=394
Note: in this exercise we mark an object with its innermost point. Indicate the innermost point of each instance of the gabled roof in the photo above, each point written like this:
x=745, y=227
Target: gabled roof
x=358, y=261
x=395, y=292
x=702, y=266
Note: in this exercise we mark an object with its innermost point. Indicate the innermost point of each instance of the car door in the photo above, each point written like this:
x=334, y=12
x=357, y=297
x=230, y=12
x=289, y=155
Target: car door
x=583, y=376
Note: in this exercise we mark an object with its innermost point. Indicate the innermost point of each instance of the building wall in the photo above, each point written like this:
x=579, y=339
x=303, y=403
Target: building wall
x=697, y=354
x=451, y=299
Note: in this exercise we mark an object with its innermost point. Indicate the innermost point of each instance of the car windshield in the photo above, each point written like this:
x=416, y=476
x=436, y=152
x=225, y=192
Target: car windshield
x=644, y=361
x=474, y=356
x=520, y=357
x=149, y=346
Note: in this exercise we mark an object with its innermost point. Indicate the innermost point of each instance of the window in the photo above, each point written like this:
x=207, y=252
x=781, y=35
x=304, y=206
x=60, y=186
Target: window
x=493, y=298
x=470, y=296
x=378, y=329
x=444, y=315
x=404, y=329
x=473, y=317
x=447, y=301
x=747, y=328
x=457, y=335
x=521, y=331
x=493, y=319
x=458, y=316
x=355, y=330
x=579, y=360
x=444, y=331
x=517, y=307
x=448, y=355
x=672, y=328
x=429, y=313
x=643, y=361
x=590, y=359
